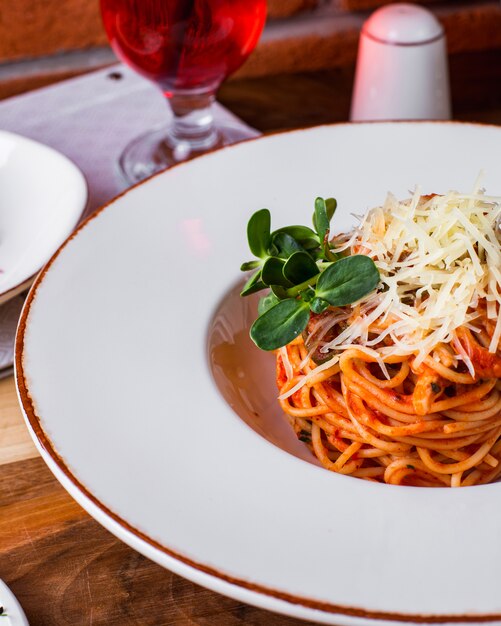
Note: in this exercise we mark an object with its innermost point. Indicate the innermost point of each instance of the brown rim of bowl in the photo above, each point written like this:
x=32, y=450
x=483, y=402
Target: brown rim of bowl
x=34, y=422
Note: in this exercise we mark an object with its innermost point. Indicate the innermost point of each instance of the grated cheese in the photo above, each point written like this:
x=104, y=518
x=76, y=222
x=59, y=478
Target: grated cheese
x=438, y=257
x=289, y=371
x=304, y=380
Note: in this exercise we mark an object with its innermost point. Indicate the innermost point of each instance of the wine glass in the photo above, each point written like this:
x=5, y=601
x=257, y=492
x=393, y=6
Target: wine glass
x=187, y=48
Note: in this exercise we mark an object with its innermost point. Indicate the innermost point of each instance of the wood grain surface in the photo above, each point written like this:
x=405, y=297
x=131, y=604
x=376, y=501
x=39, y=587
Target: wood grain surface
x=67, y=570
x=64, y=568
x=38, y=48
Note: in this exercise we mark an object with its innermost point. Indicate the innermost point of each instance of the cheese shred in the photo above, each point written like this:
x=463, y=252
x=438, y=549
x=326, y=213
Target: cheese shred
x=439, y=260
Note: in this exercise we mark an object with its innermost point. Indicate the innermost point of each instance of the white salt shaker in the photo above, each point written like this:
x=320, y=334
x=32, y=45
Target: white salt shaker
x=402, y=70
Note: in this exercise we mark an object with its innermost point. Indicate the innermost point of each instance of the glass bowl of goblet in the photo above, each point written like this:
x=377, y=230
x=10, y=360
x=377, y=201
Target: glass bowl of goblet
x=187, y=48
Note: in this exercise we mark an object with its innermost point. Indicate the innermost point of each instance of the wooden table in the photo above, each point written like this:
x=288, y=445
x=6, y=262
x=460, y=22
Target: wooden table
x=64, y=567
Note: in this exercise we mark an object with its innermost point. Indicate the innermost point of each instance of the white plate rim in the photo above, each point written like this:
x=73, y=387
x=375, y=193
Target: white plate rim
x=263, y=596
x=16, y=615
x=12, y=292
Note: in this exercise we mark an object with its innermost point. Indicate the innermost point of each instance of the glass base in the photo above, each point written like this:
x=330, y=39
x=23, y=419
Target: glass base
x=153, y=152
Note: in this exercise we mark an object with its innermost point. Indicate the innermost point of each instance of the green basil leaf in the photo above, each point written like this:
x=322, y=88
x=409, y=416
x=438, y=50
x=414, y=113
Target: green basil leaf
x=317, y=254
x=307, y=294
x=310, y=244
x=279, y=291
x=328, y=255
x=267, y=302
x=320, y=219
x=272, y=250
x=330, y=207
x=253, y=284
x=258, y=233
x=286, y=245
x=280, y=325
x=347, y=280
x=300, y=233
x=272, y=272
x=250, y=265
x=300, y=267
x=317, y=305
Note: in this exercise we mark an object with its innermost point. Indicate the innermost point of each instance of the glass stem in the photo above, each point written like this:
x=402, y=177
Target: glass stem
x=192, y=129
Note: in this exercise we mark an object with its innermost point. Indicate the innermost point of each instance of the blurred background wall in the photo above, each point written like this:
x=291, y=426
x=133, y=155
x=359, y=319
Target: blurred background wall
x=43, y=41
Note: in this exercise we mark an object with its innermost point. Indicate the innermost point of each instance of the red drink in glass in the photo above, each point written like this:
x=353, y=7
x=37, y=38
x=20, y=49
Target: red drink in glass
x=184, y=44
x=187, y=48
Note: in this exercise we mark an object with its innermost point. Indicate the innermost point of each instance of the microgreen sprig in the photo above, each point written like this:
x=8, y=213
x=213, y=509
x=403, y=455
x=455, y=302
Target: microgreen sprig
x=303, y=274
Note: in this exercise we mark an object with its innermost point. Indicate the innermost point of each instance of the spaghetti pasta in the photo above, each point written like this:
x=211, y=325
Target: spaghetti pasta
x=404, y=386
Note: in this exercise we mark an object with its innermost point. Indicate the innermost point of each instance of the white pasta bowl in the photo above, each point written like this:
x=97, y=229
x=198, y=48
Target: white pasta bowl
x=42, y=196
x=139, y=387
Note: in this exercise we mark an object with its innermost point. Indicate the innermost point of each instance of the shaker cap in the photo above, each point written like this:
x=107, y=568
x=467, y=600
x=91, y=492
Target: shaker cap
x=403, y=24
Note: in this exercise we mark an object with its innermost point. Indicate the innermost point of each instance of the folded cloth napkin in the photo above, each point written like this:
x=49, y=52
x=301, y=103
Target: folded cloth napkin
x=91, y=119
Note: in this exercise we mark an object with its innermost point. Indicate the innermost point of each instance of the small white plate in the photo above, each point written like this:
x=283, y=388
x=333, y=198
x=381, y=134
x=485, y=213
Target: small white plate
x=116, y=354
x=42, y=196
x=13, y=613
